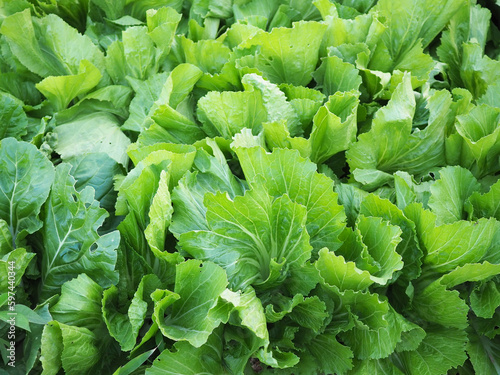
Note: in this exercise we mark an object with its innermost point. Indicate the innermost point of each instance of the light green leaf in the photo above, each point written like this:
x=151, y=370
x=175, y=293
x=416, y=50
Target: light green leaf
x=286, y=55
x=440, y=350
x=450, y=192
x=484, y=353
x=13, y=119
x=408, y=248
x=334, y=126
x=48, y=46
x=198, y=286
x=92, y=133
x=23, y=192
x=71, y=348
x=190, y=360
x=481, y=135
x=274, y=101
x=249, y=309
x=411, y=21
x=381, y=240
x=80, y=304
x=244, y=238
x=471, y=22
x=285, y=172
x=485, y=299
x=391, y=146
x=336, y=75
x=226, y=113
x=61, y=90
x=212, y=174
x=72, y=246
x=160, y=214
x=486, y=205
x=335, y=271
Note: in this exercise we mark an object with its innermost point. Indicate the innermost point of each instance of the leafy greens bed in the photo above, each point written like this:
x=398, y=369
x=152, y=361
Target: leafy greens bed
x=250, y=186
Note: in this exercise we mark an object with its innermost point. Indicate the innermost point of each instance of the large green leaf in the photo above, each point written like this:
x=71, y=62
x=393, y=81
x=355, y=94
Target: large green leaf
x=334, y=126
x=80, y=304
x=226, y=113
x=92, y=133
x=190, y=360
x=286, y=55
x=71, y=348
x=408, y=248
x=391, y=146
x=486, y=205
x=13, y=120
x=440, y=350
x=244, y=237
x=188, y=313
x=70, y=243
x=48, y=46
x=285, y=172
x=23, y=191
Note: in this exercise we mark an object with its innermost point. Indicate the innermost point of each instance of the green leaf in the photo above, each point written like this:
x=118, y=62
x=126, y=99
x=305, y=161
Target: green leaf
x=408, y=248
x=146, y=94
x=480, y=134
x=486, y=205
x=21, y=259
x=440, y=350
x=452, y=245
x=450, y=192
x=71, y=348
x=96, y=170
x=23, y=192
x=33, y=41
x=274, y=101
x=286, y=55
x=335, y=271
x=72, y=246
x=244, y=239
x=13, y=119
x=124, y=327
x=437, y=304
x=82, y=136
x=134, y=364
x=391, y=146
x=484, y=353
x=80, y=304
x=381, y=240
x=198, y=286
x=334, y=126
x=285, y=172
x=212, y=175
x=376, y=330
x=485, y=299
x=188, y=360
x=226, y=113
x=61, y=90
x=330, y=355
x=336, y=75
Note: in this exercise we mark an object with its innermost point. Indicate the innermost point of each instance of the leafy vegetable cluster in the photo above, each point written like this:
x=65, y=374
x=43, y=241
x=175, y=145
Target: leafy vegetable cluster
x=250, y=186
